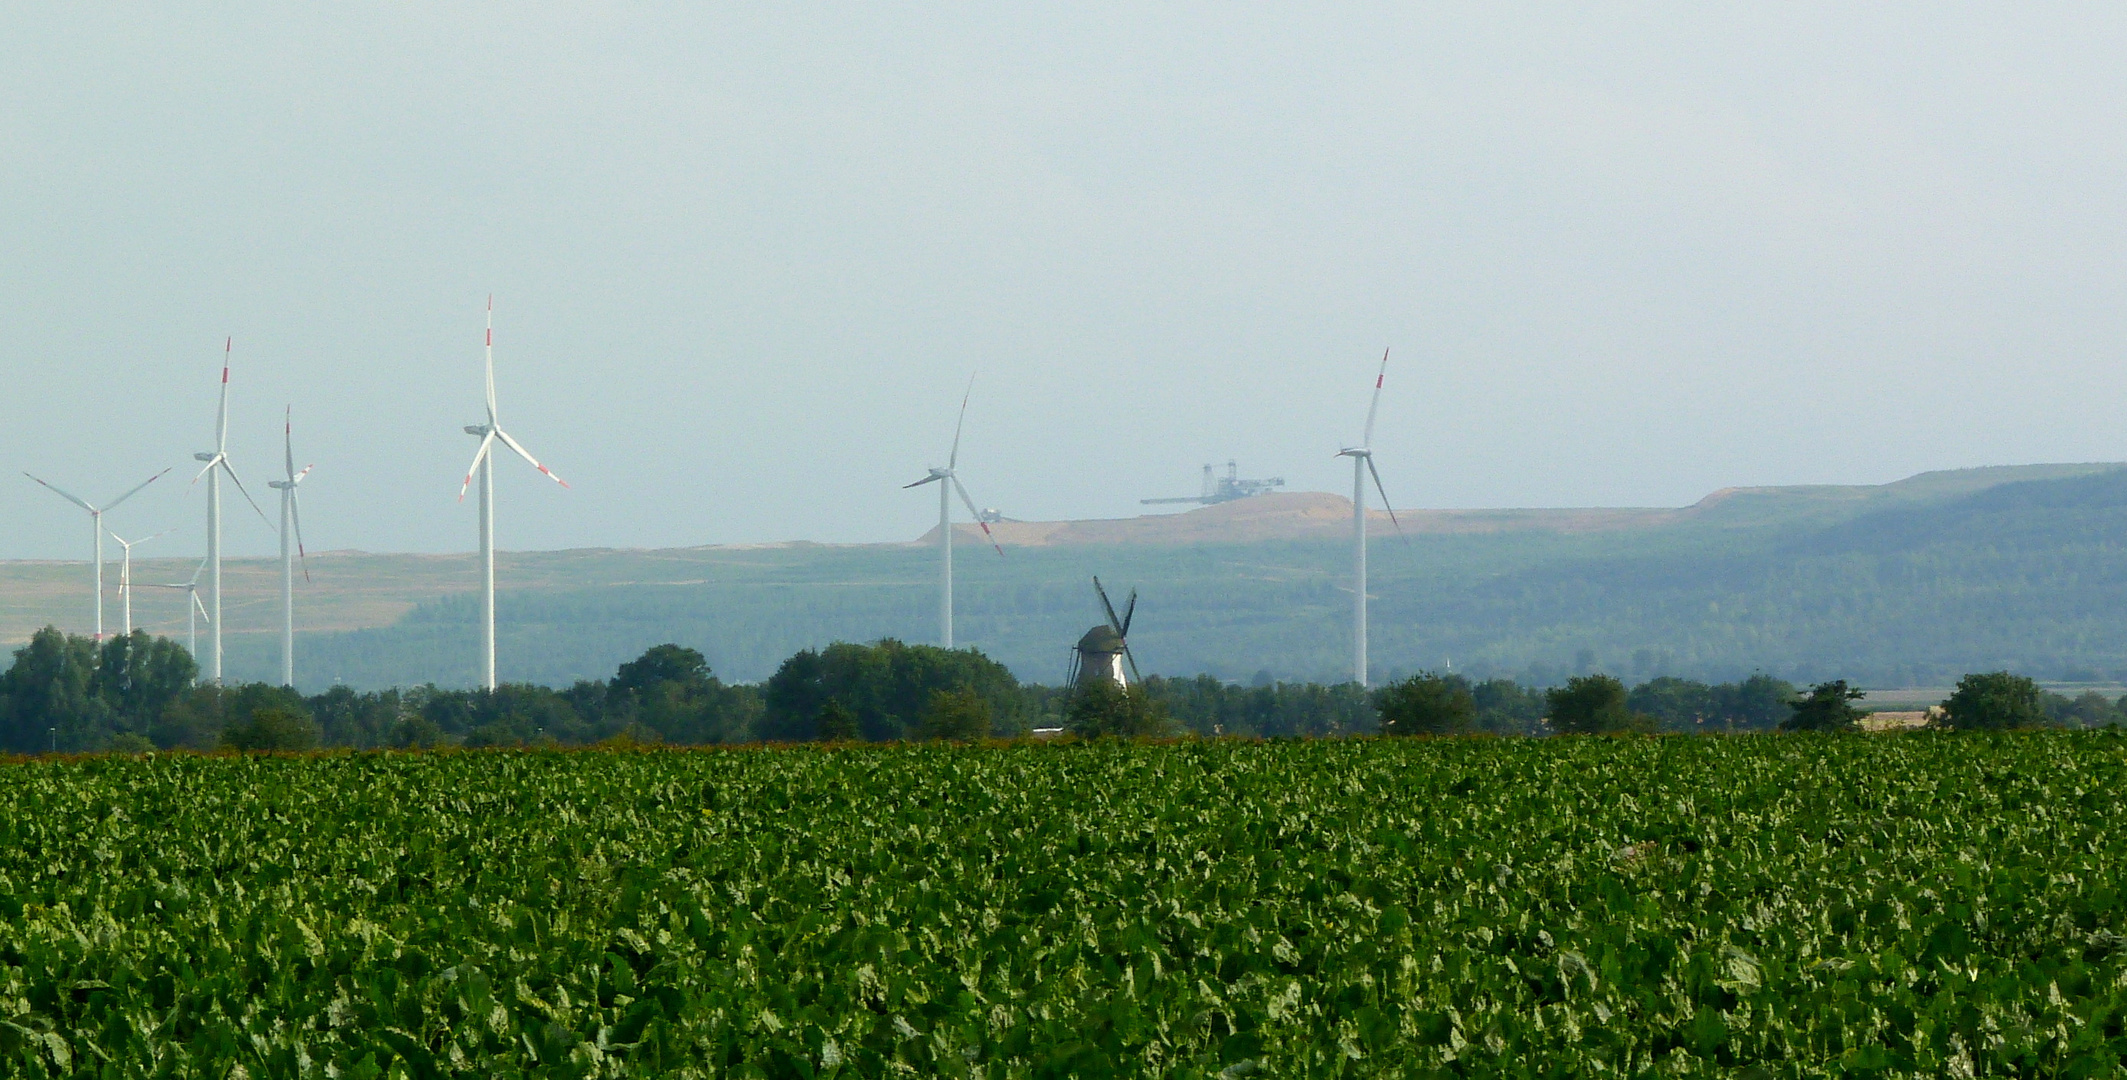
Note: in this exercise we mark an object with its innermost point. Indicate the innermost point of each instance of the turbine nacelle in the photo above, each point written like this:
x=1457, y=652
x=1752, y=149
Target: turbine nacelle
x=478, y=431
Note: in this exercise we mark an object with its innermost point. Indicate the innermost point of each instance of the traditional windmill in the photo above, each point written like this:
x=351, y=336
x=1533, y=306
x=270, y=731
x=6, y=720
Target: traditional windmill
x=1101, y=654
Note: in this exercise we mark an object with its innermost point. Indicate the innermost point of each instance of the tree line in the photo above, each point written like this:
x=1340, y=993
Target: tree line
x=67, y=693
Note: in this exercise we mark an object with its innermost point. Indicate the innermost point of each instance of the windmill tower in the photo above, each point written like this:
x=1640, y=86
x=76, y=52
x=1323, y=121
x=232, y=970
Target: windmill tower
x=484, y=467
x=1103, y=652
x=948, y=482
x=1362, y=457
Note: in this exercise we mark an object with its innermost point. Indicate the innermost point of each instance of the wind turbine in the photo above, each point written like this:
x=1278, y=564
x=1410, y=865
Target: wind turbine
x=194, y=610
x=218, y=463
x=484, y=465
x=125, y=576
x=1362, y=457
x=946, y=479
x=290, y=515
x=96, y=523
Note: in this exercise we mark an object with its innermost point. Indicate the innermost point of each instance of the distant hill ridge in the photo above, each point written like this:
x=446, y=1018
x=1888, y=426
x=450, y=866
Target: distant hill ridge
x=1908, y=583
x=1301, y=515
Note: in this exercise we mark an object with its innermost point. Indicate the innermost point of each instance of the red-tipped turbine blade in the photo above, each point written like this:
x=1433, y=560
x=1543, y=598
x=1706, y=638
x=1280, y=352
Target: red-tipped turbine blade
x=976, y=514
x=475, y=466
x=527, y=456
x=136, y=489
x=64, y=494
x=1375, y=407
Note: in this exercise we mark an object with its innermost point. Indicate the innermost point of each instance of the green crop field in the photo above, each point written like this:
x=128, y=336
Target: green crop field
x=1926, y=905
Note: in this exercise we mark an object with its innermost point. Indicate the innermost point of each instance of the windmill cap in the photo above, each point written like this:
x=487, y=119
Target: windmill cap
x=1101, y=639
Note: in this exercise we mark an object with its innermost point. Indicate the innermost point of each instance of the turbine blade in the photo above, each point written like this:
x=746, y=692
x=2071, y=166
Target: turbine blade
x=527, y=455
x=295, y=514
x=933, y=478
x=1135, y=678
x=136, y=489
x=221, y=413
x=1129, y=613
x=288, y=437
x=231, y=470
x=977, y=515
x=491, y=359
x=953, y=458
x=201, y=605
x=475, y=466
x=298, y=478
x=196, y=572
x=1375, y=407
x=1376, y=473
x=67, y=495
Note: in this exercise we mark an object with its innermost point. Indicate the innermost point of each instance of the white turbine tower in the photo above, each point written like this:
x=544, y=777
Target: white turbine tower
x=194, y=609
x=946, y=479
x=484, y=465
x=218, y=463
x=96, y=523
x=1362, y=457
x=290, y=515
x=125, y=577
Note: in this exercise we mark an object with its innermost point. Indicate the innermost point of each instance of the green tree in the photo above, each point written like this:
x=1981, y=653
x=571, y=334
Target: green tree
x=417, y=732
x=667, y=663
x=670, y=690
x=2089, y=709
x=198, y=717
x=835, y=723
x=1994, y=701
x=347, y=718
x=50, y=695
x=139, y=676
x=1827, y=707
x=1103, y=709
x=1426, y=704
x=1506, y=707
x=1593, y=705
x=272, y=727
x=1677, y=704
x=492, y=735
x=886, y=685
x=1207, y=705
x=955, y=714
x=1758, y=703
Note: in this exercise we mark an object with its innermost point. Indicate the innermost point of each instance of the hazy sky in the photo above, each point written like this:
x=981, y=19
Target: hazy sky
x=744, y=263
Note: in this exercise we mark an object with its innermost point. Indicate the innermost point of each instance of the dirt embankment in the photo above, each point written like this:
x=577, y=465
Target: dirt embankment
x=1295, y=516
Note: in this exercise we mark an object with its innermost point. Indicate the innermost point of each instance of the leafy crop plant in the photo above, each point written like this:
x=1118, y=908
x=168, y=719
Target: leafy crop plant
x=1773, y=906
